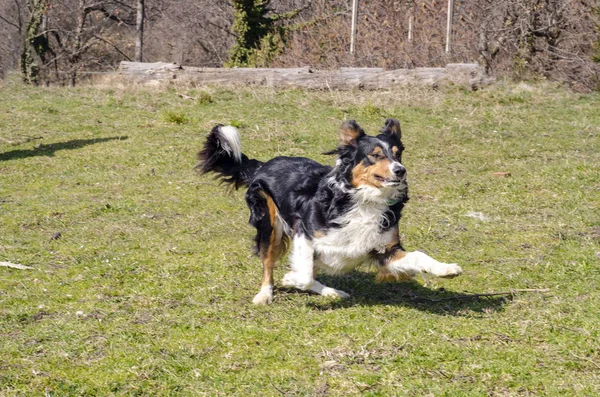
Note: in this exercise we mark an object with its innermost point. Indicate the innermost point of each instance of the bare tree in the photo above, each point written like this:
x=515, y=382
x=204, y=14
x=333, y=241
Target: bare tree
x=197, y=34
x=60, y=39
x=12, y=17
x=35, y=43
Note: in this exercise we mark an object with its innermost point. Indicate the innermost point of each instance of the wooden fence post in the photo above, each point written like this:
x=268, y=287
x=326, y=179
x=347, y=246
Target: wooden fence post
x=139, y=31
x=354, y=21
x=449, y=24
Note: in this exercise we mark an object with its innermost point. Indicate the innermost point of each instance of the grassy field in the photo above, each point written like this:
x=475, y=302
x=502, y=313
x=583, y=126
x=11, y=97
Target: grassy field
x=143, y=275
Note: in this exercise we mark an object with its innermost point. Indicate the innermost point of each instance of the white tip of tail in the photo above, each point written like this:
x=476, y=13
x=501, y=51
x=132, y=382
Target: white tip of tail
x=230, y=142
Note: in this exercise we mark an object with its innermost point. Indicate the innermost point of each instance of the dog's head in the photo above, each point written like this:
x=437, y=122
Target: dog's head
x=371, y=161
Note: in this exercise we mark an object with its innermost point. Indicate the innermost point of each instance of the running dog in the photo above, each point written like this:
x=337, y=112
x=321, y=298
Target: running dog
x=335, y=218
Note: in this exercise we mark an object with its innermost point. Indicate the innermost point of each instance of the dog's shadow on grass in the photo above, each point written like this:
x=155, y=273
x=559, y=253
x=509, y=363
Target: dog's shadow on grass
x=365, y=292
x=50, y=149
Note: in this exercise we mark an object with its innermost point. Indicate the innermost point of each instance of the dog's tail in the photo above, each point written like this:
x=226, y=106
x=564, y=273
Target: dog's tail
x=222, y=155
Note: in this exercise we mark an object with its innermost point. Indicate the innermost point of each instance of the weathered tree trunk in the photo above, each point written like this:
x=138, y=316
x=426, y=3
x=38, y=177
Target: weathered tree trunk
x=30, y=69
x=139, y=31
x=76, y=50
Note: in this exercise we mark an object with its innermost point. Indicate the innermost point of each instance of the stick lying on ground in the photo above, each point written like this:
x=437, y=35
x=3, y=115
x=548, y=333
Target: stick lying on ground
x=14, y=266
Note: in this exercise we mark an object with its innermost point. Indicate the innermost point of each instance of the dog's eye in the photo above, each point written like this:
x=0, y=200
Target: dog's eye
x=397, y=152
x=374, y=157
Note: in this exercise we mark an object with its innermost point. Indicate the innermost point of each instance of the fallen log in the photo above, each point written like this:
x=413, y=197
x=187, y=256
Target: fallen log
x=464, y=74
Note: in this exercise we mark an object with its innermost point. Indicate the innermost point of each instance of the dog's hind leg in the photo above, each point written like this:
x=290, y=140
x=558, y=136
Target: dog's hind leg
x=270, y=240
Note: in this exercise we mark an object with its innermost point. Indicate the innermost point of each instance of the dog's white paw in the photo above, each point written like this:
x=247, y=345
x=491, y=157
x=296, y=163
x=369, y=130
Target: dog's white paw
x=448, y=270
x=334, y=293
x=297, y=280
x=288, y=280
x=264, y=297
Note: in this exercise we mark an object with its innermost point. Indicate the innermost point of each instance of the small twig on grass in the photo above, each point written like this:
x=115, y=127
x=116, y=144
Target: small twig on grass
x=275, y=387
x=27, y=139
x=486, y=295
x=578, y=330
x=14, y=265
x=278, y=389
x=187, y=97
x=586, y=359
x=364, y=387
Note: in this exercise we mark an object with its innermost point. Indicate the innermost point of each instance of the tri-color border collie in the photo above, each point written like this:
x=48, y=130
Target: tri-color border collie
x=337, y=218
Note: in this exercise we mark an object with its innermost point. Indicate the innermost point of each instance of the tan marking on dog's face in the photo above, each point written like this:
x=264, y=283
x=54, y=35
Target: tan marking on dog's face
x=377, y=153
x=397, y=152
x=374, y=174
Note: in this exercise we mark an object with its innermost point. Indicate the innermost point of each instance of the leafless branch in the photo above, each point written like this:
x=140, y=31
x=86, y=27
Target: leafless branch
x=14, y=25
x=113, y=46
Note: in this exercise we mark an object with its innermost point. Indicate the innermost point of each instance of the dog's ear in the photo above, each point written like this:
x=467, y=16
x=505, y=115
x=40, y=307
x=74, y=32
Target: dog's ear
x=392, y=127
x=350, y=132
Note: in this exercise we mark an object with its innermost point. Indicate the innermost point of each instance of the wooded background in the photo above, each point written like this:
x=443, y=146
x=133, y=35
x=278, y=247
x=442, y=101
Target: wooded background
x=63, y=41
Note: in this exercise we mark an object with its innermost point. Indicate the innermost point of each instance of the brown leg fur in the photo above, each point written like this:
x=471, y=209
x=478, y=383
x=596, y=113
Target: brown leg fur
x=270, y=255
x=385, y=275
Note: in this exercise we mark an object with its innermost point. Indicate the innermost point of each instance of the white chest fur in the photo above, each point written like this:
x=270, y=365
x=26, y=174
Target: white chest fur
x=344, y=248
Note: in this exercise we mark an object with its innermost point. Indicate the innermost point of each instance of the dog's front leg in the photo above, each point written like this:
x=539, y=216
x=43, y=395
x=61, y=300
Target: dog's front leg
x=302, y=264
x=324, y=290
x=399, y=264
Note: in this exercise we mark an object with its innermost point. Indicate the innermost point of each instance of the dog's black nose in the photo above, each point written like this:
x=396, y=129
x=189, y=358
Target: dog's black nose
x=399, y=170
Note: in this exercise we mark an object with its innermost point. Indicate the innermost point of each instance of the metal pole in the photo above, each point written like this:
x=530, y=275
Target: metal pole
x=449, y=24
x=354, y=20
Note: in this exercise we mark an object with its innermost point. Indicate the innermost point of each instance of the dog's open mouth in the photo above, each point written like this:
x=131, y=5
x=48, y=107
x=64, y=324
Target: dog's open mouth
x=390, y=181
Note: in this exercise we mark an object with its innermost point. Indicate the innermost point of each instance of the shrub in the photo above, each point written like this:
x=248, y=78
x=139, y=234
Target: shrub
x=173, y=117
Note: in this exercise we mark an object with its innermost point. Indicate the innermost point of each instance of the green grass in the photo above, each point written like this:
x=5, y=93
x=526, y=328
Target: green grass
x=170, y=116
x=147, y=290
